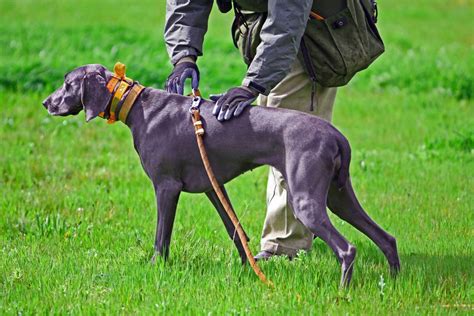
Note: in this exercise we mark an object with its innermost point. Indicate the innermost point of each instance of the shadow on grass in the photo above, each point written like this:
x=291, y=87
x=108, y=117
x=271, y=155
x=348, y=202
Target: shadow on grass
x=438, y=267
x=431, y=270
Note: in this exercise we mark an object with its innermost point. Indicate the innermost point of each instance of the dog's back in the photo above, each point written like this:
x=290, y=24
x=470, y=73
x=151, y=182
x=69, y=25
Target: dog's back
x=161, y=124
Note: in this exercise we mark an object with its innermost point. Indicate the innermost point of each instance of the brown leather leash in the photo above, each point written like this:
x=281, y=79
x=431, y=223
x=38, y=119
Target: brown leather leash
x=199, y=131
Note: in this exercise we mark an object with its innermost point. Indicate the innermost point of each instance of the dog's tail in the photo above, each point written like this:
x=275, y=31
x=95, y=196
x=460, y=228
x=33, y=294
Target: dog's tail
x=345, y=154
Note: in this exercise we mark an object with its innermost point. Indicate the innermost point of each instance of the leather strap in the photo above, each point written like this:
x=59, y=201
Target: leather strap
x=123, y=87
x=129, y=101
x=112, y=84
x=199, y=131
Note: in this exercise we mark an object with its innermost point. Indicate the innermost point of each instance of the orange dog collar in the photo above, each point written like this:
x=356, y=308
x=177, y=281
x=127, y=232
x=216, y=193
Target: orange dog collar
x=124, y=92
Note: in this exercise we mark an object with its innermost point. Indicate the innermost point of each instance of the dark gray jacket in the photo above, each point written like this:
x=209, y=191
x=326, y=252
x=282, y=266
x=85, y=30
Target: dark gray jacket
x=186, y=24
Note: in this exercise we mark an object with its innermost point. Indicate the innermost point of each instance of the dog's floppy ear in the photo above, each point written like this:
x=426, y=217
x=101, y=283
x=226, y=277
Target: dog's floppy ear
x=95, y=95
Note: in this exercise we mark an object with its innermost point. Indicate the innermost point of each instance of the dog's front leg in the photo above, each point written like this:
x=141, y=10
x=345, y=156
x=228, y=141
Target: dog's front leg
x=167, y=195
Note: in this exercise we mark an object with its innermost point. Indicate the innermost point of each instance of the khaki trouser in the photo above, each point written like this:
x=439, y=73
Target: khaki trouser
x=282, y=232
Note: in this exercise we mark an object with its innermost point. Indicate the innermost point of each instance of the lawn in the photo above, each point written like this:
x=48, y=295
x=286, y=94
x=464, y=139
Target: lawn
x=78, y=213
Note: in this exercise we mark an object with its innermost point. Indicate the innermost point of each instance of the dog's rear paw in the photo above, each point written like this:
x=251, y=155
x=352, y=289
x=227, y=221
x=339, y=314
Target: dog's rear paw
x=395, y=269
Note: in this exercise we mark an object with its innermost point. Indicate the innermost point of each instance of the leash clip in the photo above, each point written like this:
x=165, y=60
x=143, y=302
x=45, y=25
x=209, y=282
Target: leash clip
x=195, y=105
x=196, y=117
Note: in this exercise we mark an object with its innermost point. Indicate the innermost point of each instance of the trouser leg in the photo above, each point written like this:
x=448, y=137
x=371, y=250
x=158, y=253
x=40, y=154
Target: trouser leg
x=282, y=232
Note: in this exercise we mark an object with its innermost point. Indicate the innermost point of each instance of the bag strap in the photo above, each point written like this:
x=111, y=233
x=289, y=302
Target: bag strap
x=375, y=8
x=308, y=63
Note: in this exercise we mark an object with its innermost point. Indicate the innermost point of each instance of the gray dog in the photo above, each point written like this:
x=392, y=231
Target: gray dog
x=312, y=155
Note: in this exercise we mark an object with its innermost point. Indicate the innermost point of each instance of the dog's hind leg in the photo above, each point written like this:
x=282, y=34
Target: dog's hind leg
x=314, y=216
x=308, y=197
x=167, y=195
x=229, y=226
x=345, y=205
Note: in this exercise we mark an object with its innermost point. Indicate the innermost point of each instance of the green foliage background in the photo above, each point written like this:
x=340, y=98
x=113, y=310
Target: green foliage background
x=78, y=214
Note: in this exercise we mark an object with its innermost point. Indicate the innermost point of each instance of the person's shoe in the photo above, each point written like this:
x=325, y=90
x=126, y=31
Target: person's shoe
x=263, y=255
x=266, y=255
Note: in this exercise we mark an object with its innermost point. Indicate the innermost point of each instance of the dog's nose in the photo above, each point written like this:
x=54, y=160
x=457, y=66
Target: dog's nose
x=45, y=103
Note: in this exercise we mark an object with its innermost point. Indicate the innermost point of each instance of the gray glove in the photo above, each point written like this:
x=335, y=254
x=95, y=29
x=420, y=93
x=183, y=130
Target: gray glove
x=232, y=103
x=181, y=72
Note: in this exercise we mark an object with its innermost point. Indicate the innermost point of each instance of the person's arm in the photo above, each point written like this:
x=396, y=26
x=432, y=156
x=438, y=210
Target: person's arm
x=281, y=35
x=186, y=24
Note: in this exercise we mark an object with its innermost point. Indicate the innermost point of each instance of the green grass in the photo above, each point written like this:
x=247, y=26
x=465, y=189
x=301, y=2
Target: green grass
x=78, y=213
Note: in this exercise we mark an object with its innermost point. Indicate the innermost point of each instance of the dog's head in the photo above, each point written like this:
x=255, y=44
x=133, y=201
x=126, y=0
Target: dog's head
x=83, y=88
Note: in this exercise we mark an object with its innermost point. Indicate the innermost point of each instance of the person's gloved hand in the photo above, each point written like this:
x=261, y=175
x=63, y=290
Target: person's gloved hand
x=233, y=102
x=183, y=70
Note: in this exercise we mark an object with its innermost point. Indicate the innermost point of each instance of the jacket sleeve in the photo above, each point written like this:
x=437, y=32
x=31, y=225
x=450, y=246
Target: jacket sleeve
x=281, y=35
x=186, y=24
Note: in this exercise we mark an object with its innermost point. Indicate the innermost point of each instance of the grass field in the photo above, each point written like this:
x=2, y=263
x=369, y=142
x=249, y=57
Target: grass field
x=78, y=213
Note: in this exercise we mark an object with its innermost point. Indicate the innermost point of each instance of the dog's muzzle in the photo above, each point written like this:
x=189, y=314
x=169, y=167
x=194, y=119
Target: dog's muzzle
x=46, y=103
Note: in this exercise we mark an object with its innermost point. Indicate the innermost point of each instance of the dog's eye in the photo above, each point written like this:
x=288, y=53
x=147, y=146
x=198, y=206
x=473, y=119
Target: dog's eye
x=67, y=85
